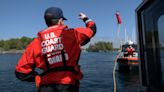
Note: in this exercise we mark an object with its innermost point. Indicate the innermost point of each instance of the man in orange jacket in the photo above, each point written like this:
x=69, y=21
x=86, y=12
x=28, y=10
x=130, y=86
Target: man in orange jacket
x=56, y=51
x=130, y=50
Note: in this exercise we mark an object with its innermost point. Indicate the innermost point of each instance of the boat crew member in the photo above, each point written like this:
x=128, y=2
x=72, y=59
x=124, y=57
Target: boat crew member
x=56, y=51
x=130, y=50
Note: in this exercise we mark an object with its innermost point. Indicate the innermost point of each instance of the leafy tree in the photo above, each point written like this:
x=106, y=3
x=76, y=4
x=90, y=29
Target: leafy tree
x=1, y=44
x=15, y=43
x=25, y=41
x=100, y=46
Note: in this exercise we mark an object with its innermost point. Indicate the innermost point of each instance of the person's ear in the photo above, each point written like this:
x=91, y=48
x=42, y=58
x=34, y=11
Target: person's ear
x=60, y=22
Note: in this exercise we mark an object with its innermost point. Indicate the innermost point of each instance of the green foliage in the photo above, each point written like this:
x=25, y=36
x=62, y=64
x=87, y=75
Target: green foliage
x=16, y=43
x=21, y=43
x=1, y=44
x=100, y=46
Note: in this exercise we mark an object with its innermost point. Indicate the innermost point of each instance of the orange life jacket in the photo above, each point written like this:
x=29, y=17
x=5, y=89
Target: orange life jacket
x=130, y=50
x=54, y=49
x=56, y=52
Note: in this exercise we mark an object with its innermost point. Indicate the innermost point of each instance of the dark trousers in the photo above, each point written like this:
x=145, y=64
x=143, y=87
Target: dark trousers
x=58, y=88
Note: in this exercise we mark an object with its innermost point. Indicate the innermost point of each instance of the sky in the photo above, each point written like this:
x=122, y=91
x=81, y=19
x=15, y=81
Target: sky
x=25, y=17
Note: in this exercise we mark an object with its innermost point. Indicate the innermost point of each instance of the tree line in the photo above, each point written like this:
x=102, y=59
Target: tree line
x=21, y=44
x=15, y=43
x=100, y=46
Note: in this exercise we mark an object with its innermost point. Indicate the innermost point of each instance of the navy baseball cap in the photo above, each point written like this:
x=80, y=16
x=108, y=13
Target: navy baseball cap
x=54, y=13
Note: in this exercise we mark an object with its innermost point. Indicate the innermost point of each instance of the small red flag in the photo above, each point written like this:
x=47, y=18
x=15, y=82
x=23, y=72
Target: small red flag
x=118, y=17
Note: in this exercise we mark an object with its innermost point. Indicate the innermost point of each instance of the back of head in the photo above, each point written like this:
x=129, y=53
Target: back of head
x=52, y=15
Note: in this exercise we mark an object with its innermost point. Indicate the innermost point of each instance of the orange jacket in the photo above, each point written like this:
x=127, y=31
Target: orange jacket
x=47, y=47
x=130, y=50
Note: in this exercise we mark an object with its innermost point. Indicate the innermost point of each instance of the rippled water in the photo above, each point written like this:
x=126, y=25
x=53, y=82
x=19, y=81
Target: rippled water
x=97, y=68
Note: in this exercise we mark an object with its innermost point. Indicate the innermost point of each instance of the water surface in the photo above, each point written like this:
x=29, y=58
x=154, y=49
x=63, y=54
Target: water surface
x=97, y=69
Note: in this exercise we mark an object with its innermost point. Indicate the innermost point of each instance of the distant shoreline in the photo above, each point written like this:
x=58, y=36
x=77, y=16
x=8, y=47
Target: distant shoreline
x=21, y=51
x=12, y=52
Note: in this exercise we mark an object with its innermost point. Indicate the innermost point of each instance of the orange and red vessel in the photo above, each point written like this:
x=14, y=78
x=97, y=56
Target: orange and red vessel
x=125, y=61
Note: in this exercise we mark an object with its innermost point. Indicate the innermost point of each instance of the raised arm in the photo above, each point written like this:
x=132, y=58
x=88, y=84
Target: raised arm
x=89, y=23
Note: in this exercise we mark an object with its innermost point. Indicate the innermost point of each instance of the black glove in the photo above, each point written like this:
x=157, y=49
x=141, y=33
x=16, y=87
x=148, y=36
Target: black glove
x=30, y=77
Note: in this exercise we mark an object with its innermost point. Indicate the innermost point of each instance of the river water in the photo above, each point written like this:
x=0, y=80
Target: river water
x=97, y=69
